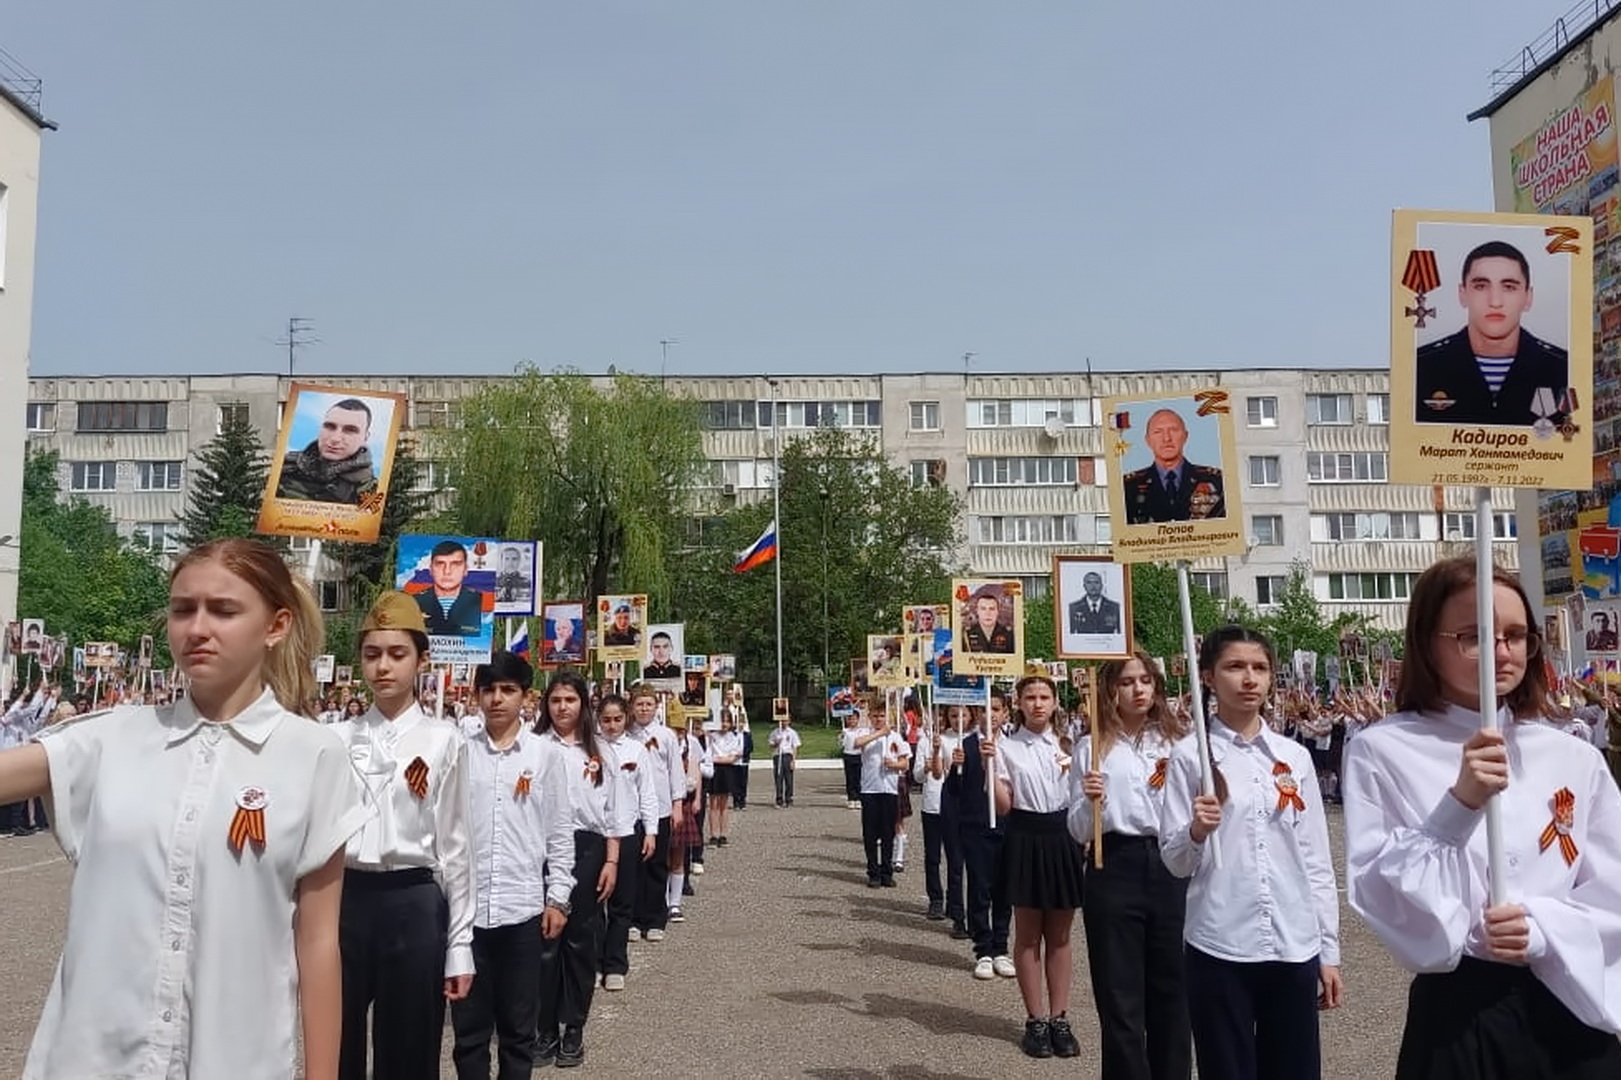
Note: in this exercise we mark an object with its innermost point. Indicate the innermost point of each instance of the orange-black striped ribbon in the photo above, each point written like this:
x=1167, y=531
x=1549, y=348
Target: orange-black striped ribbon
x=629, y=766
x=652, y=744
x=1157, y=780
x=416, y=775
x=1564, y=819
x=247, y=825
x=1288, y=787
x=1422, y=275
x=1211, y=401
x=521, y=788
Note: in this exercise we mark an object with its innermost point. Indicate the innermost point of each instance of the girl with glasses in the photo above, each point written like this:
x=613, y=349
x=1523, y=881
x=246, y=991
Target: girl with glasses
x=1530, y=987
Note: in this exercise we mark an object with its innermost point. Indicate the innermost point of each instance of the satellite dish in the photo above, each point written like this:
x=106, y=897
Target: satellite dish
x=1053, y=428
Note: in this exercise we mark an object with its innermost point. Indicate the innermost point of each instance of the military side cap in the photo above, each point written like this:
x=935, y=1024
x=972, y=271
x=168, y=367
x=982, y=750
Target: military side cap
x=991, y=592
x=394, y=611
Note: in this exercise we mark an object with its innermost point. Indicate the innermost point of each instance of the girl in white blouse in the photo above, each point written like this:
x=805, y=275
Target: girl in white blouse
x=725, y=750
x=1528, y=988
x=1262, y=930
x=208, y=840
x=1040, y=874
x=1134, y=906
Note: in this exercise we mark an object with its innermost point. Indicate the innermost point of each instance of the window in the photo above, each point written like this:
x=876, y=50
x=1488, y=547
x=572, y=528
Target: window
x=330, y=593
x=1269, y=588
x=795, y=414
x=1462, y=527
x=1366, y=526
x=158, y=536
x=1103, y=529
x=1213, y=582
x=1328, y=408
x=299, y=543
x=230, y=414
x=1263, y=411
x=123, y=416
x=1002, y=471
x=41, y=416
x=1037, y=587
x=1378, y=408
x=93, y=475
x=1053, y=529
x=930, y=473
x=1380, y=586
x=1267, y=529
x=435, y=476
x=1032, y=412
x=436, y=414
x=728, y=415
x=157, y=476
x=925, y=416
x=739, y=473
x=1265, y=471
x=1362, y=467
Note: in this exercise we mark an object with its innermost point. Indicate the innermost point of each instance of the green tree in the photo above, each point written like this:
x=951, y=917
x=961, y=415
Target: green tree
x=78, y=574
x=1156, y=610
x=227, y=485
x=1296, y=621
x=601, y=476
x=857, y=542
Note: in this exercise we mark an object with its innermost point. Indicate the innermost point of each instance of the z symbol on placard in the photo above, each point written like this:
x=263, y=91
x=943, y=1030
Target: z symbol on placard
x=1211, y=401
x=1562, y=240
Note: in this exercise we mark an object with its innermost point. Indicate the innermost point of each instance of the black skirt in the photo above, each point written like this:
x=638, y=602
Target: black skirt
x=1488, y=1021
x=1041, y=864
x=720, y=783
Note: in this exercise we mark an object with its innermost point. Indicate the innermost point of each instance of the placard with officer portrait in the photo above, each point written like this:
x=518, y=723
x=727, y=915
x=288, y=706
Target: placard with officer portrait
x=1092, y=607
x=1176, y=495
x=621, y=626
x=925, y=618
x=988, y=627
x=334, y=455
x=1491, y=350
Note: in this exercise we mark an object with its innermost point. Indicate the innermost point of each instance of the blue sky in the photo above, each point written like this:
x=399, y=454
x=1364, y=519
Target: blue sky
x=830, y=186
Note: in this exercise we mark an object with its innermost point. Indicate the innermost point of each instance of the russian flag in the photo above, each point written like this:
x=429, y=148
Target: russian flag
x=518, y=639
x=758, y=553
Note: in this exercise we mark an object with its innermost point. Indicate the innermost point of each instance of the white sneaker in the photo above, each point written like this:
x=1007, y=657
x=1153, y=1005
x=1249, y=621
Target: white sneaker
x=853, y=805
x=697, y=869
x=984, y=969
x=1004, y=967
x=655, y=934
x=613, y=982
x=676, y=916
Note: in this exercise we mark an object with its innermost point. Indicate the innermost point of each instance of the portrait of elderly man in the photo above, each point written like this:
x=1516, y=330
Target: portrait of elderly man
x=1172, y=488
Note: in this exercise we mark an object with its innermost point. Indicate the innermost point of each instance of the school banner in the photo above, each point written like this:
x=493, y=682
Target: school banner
x=334, y=456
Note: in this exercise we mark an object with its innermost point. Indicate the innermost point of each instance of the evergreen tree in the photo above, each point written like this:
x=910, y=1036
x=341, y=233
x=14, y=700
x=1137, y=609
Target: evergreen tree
x=227, y=485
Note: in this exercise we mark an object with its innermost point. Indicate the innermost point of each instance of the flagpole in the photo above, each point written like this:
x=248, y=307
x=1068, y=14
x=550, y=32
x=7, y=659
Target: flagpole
x=776, y=518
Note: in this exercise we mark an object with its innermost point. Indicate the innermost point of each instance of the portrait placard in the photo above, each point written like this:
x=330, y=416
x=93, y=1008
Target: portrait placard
x=33, y=640
x=452, y=580
x=948, y=687
x=563, y=632
x=666, y=645
x=779, y=709
x=841, y=702
x=722, y=667
x=621, y=626
x=1092, y=607
x=330, y=473
x=324, y=668
x=1177, y=492
x=517, y=572
x=694, y=697
x=100, y=654
x=344, y=675
x=925, y=618
x=886, y=661
x=988, y=627
x=613, y=671
x=858, y=675
x=1491, y=350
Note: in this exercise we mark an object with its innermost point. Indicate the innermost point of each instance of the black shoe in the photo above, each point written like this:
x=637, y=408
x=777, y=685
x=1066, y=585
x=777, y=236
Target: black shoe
x=1062, y=1038
x=720, y=841
x=779, y=802
x=873, y=883
x=889, y=883
x=545, y=1049
x=687, y=889
x=959, y=932
x=937, y=912
x=1037, y=1041
x=571, y=1051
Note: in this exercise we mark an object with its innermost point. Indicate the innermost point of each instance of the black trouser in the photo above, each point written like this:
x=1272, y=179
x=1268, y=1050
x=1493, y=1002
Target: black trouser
x=1254, y=1020
x=1133, y=915
x=782, y=772
x=852, y=777
x=648, y=904
x=15, y=817
x=504, y=1001
x=878, y=812
x=568, y=964
x=988, y=918
x=934, y=838
x=391, y=937
x=621, y=908
x=740, y=784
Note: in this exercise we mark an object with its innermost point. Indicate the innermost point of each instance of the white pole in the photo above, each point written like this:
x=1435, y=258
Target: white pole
x=776, y=519
x=1486, y=627
x=1207, y=772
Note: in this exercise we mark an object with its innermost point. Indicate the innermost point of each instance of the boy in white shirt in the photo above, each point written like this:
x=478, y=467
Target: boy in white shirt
x=884, y=756
x=785, y=744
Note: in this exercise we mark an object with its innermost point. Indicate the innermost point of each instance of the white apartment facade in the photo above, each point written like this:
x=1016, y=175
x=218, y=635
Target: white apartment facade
x=1312, y=450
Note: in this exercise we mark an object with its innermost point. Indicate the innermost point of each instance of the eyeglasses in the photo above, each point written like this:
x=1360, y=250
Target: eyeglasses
x=1518, y=641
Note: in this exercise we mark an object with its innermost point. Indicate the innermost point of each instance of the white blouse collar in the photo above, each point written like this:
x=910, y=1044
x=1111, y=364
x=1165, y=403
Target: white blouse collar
x=253, y=724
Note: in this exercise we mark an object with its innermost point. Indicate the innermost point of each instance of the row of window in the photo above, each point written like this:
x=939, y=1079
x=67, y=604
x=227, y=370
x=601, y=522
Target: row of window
x=1354, y=467
x=1042, y=529
x=1321, y=409
x=103, y=475
x=748, y=415
x=1382, y=585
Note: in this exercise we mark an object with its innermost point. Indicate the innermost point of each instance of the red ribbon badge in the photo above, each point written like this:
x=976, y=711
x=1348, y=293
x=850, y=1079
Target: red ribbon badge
x=1564, y=818
x=1157, y=780
x=652, y=744
x=416, y=777
x=521, y=788
x=248, y=824
x=1288, y=787
x=629, y=766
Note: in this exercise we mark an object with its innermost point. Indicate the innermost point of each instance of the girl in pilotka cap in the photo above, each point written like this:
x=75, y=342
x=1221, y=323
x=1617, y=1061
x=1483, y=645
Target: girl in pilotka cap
x=407, y=928
x=208, y=840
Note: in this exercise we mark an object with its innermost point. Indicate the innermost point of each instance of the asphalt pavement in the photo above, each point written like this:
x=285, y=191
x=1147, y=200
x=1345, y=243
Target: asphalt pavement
x=787, y=966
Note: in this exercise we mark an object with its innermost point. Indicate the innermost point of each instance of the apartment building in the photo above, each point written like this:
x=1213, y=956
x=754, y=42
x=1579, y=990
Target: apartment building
x=1025, y=452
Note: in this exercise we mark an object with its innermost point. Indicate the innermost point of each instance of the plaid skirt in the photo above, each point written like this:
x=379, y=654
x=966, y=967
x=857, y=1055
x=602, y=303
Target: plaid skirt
x=686, y=834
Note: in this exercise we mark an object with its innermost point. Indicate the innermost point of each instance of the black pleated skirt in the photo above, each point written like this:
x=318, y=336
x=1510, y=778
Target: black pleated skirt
x=1488, y=1021
x=1041, y=864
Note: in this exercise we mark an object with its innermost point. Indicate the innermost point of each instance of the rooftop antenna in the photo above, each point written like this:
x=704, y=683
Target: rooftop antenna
x=300, y=333
x=664, y=353
x=966, y=357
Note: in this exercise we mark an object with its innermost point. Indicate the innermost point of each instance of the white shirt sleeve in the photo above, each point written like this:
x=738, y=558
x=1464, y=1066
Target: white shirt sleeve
x=1319, y=861
x=552, y=783
x=647, y=797
x=920, y=760
x=73, y=755
x=1176, y=847
x=1080, y=807
x=339, y=807
x=454, y=857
